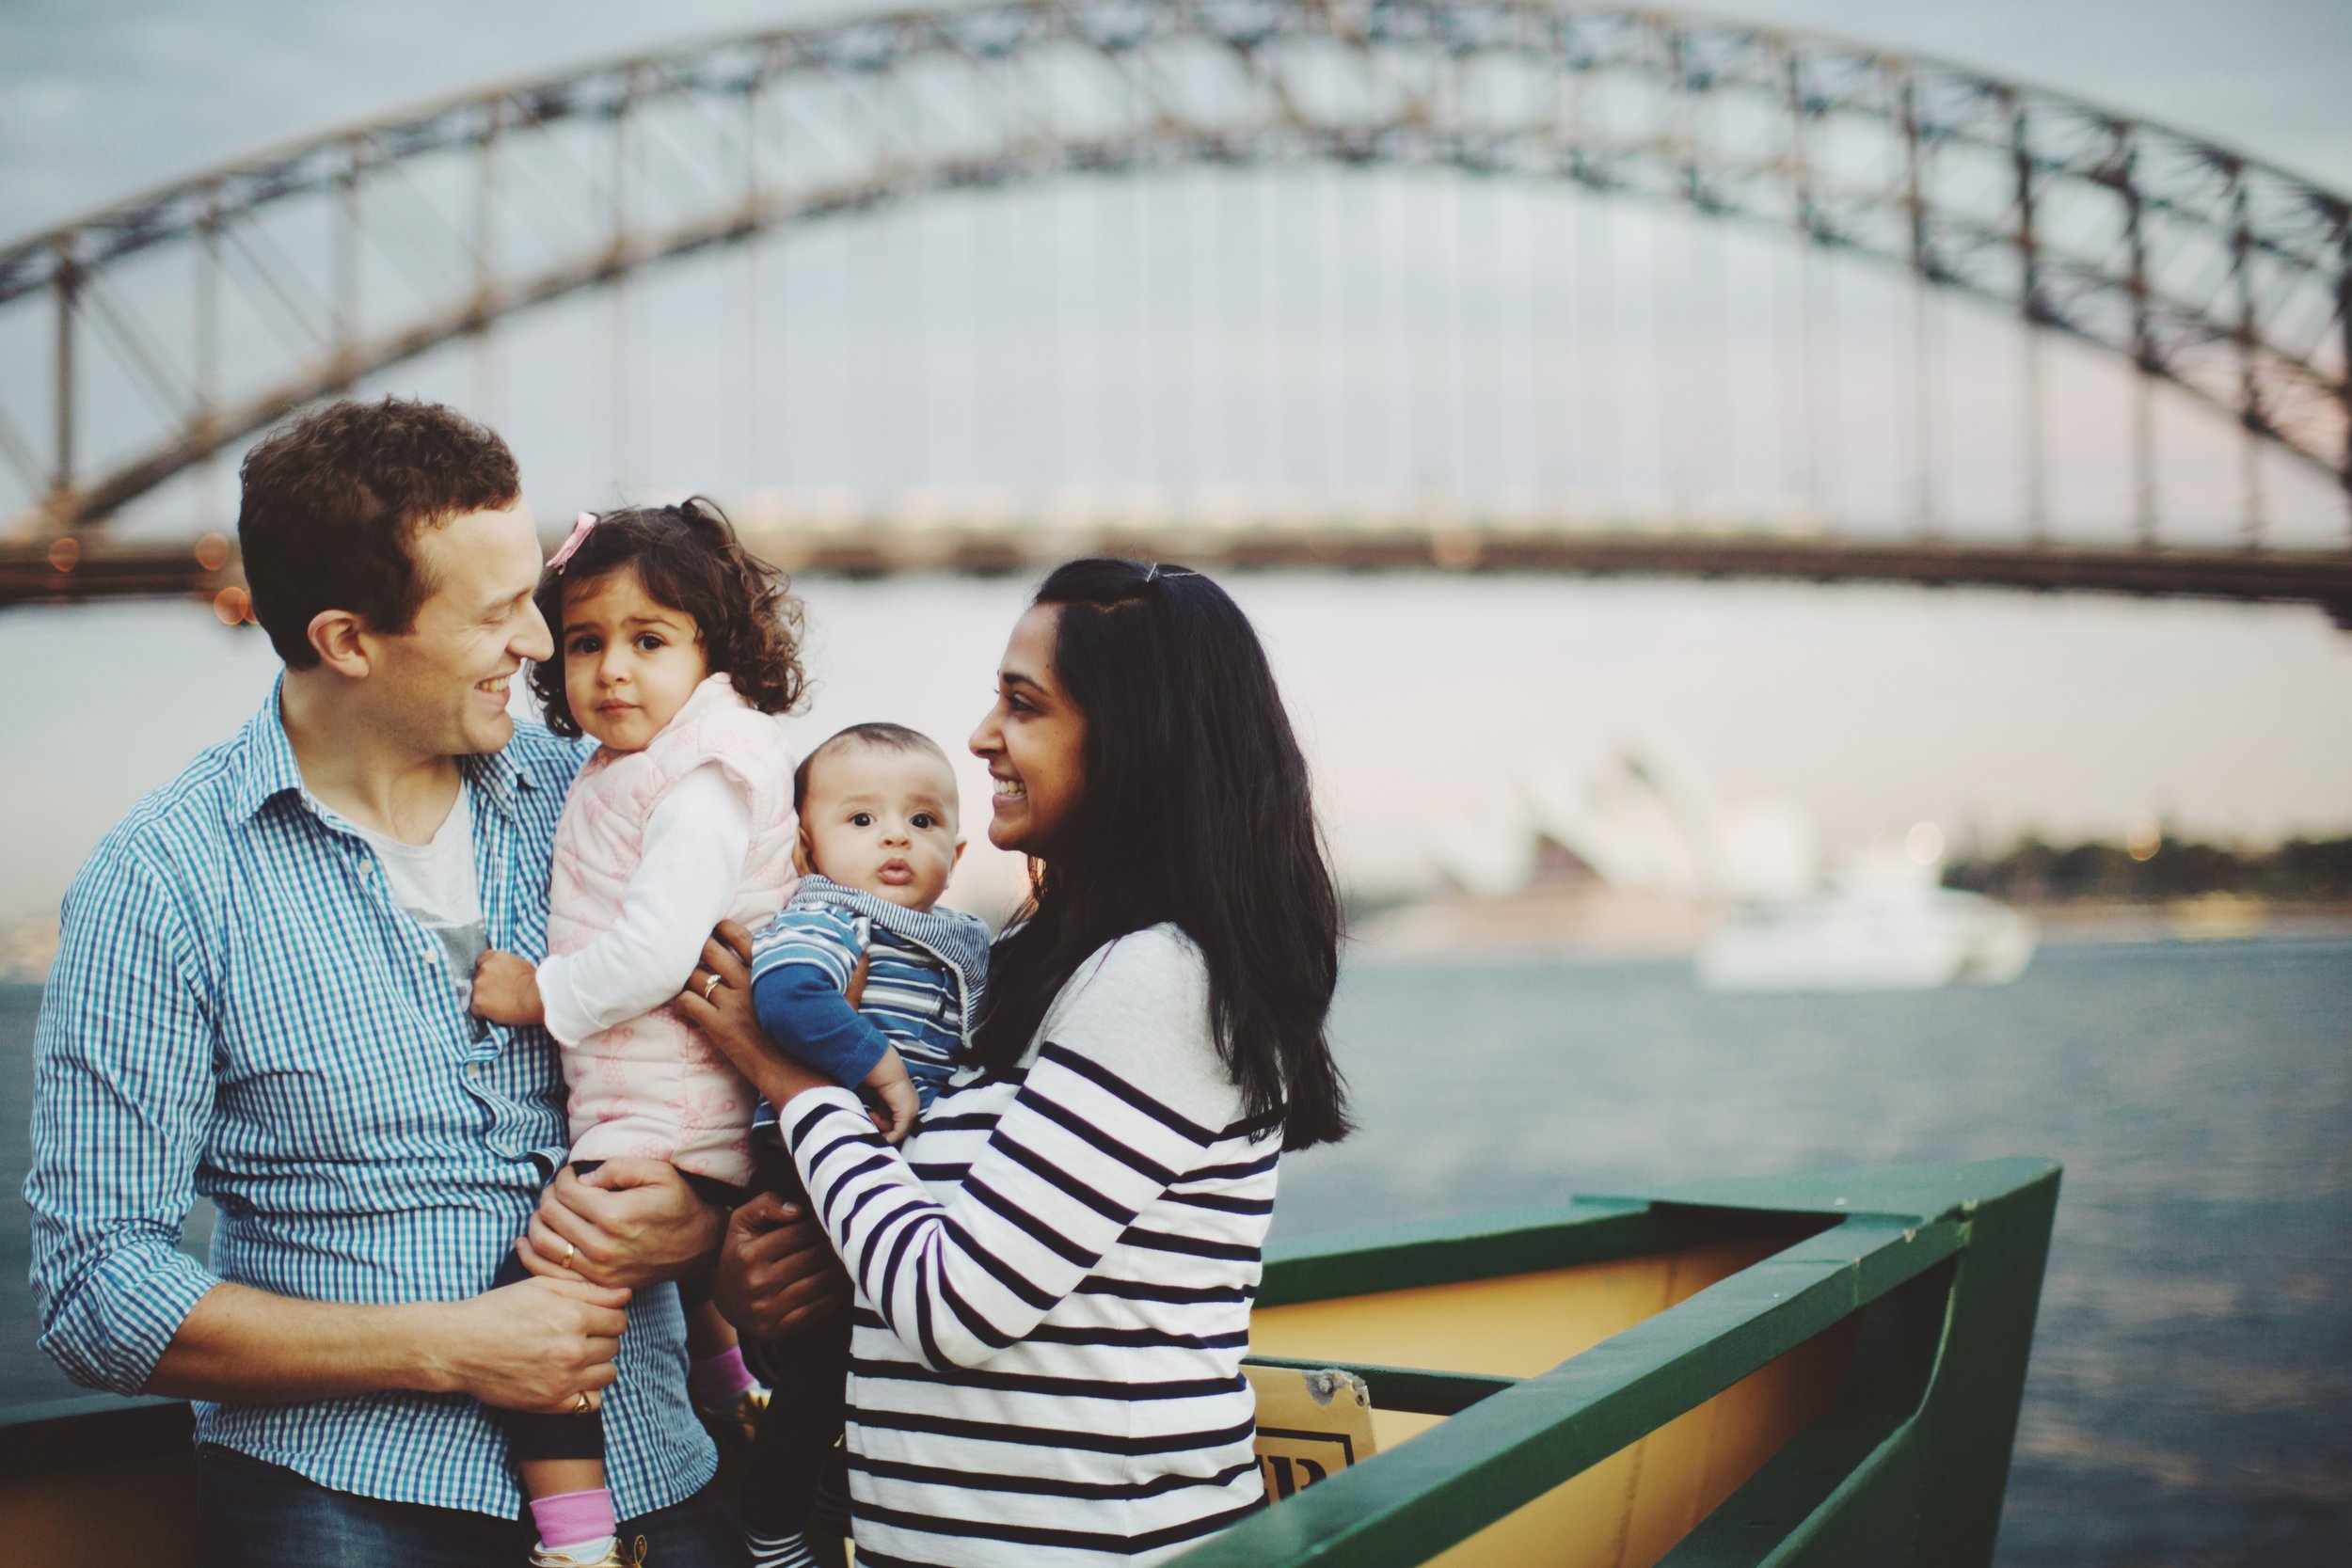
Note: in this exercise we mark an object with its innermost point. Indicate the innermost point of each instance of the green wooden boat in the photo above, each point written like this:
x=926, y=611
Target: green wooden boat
x=1820, y=1369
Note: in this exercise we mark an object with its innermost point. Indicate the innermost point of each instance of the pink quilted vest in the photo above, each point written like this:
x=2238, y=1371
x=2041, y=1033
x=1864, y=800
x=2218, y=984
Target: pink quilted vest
x=651, y=1087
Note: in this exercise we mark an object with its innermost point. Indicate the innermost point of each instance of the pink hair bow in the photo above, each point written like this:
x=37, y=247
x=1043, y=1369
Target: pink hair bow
x=570, y=547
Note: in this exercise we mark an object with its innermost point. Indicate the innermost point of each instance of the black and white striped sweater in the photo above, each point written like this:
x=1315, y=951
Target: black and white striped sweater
x=1053, y=1287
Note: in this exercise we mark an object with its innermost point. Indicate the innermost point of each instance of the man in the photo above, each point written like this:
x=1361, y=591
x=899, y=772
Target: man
x=260, y=997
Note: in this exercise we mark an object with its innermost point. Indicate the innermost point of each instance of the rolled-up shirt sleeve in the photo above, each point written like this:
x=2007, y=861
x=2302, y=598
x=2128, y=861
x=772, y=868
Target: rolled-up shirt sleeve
x=122, y=1104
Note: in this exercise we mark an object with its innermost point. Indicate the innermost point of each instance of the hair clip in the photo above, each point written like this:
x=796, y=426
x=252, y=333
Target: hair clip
x=570, y=547
x=1156, y=571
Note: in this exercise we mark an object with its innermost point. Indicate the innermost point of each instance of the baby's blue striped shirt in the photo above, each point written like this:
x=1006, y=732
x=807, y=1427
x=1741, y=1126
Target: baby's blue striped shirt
x=926, y=970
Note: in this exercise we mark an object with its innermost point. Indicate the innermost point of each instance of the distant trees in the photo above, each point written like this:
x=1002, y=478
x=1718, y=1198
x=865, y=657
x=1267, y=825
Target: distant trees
x=2299, y=871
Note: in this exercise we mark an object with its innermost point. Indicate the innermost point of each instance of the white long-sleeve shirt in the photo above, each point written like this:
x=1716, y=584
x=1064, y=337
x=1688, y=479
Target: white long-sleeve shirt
x=695, y=843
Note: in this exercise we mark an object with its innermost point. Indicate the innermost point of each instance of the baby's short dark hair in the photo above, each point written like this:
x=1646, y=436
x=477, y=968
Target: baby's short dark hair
x=883, y=737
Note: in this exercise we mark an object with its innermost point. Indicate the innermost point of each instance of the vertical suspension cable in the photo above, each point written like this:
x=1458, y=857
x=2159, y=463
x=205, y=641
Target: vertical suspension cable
x=1596, y=224
x=1150, y=450
x=1927, y=378
x=1334, y=377
x=1555, y=449
x=211, y=512
x=1809, y=393
x=482, y=352
x=1456, y=486
x=1828, y=355
x=1061, y=307
x=1714, y=440
x=753, y=199
x=624, y=458
x=2037, y=487
x=2033, y=313
x=909, y=275
x=2144, y=522
x=1922, y=358
x=1272, y=333
x=1456, y=223
x=1670, y=425
x=777, y=465
x=2251, y=415
x=1809, y=488
x=346, y=263
x=1515, y=265
x=912, y=276
x=1205, y=297
x=1397, y=355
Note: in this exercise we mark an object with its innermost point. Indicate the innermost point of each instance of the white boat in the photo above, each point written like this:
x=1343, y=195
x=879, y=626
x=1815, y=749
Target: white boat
x=1877, y=928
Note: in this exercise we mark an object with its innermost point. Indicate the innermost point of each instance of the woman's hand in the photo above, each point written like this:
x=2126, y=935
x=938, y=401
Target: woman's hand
x=722, y=1008
x=777, y=1273
x=629, y=1223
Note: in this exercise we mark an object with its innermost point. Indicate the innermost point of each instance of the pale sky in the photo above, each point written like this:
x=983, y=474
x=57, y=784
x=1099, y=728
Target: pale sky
x=1417, y=698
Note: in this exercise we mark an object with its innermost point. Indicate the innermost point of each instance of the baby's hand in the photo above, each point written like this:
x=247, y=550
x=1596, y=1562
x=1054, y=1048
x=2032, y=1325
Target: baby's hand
x=901, y=1106
x=506, y=989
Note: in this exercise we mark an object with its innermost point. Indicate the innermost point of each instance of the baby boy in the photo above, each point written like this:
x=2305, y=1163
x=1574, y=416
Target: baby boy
x=860, y=977
x=864, y=979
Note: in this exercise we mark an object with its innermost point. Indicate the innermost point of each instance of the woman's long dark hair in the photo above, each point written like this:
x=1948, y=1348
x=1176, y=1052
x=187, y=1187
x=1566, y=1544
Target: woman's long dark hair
x=1196, y=809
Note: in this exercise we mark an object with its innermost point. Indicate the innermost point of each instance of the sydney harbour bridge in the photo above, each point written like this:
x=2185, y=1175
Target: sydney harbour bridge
x=143, y=345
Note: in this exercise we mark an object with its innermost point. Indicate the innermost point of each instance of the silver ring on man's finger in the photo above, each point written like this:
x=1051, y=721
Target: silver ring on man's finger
x=708, y=985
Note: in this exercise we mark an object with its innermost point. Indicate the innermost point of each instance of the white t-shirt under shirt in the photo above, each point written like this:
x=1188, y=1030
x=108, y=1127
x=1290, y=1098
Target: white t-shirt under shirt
x=696, y=844
x=434, y=883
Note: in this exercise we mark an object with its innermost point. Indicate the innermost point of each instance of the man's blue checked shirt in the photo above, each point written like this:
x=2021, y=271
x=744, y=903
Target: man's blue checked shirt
x=240, y=1010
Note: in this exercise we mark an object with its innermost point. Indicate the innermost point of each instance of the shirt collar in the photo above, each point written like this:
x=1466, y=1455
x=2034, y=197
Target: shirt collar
x=270, y=769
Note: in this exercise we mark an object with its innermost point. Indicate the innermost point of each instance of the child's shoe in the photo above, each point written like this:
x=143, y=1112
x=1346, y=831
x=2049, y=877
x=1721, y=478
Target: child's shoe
x=734, y=1421
x=610, y=1553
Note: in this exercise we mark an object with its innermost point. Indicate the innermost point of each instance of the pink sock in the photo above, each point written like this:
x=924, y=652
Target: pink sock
x=573, y=1518
x=717, y=1379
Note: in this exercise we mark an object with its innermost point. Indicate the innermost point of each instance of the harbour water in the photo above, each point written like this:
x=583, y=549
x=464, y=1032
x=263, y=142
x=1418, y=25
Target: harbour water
x=2190, y=1400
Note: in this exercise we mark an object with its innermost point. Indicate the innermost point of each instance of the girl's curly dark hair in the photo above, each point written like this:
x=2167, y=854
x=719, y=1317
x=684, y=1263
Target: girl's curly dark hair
x=688, y=558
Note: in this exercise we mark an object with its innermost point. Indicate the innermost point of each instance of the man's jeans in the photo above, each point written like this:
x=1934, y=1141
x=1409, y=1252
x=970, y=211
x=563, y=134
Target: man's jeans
x=253, y=1515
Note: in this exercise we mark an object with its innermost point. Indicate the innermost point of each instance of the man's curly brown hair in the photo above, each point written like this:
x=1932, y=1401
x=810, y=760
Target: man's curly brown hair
x=333, y=503
x=688, y=558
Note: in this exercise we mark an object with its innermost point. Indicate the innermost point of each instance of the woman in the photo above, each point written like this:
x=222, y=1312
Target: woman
x=1055, y=1278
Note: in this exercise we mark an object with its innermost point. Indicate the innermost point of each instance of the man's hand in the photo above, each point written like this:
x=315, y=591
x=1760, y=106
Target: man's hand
x=506, y=990
x=777, y=1273
x=537, y=1345
x=629, y=1223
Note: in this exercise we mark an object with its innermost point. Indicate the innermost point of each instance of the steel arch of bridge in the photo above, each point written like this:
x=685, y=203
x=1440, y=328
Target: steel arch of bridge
x=2227, y=277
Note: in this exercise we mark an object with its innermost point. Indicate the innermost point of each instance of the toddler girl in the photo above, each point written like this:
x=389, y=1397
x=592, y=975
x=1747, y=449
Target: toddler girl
x=672, y=647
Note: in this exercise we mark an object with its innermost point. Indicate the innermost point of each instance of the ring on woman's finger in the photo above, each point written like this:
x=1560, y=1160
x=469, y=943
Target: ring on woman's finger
x=708, y=985
x=571, y=1250
x=581, y=1405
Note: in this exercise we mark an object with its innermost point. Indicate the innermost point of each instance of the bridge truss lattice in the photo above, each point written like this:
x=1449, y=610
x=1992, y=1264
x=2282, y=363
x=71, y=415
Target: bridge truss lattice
x=176, y=323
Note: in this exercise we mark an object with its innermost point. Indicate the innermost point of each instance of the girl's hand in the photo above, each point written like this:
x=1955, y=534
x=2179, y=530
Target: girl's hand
x=901, y=1106
x=506, y=990
x=718, y=1001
